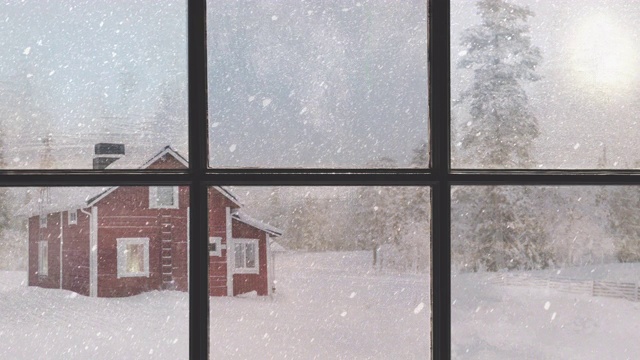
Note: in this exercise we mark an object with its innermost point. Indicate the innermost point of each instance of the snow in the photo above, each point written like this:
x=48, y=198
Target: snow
x=327, y=305
x=515, y=322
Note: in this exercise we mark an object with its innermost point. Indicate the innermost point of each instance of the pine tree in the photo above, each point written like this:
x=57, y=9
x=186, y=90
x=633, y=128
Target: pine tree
x=500, y=53
x=504, y=229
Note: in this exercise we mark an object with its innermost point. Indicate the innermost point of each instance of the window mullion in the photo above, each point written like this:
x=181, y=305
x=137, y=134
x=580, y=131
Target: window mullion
x=198, y=130
x=440, y=123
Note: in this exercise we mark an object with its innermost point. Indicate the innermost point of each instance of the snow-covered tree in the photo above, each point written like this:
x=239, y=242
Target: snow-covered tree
x=499, y=228
x=623, y=203
x=502, y=58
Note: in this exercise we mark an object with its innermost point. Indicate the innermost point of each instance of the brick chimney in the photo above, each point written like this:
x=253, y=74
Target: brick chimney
x=106, y=154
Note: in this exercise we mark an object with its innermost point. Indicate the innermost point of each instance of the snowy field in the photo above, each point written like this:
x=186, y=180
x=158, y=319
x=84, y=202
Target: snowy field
x=327, y=306
x=492, y=321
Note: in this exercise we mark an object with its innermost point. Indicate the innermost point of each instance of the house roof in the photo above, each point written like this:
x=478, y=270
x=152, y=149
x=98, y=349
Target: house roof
x=244, y=218
x=55, y=199
x=277, y=247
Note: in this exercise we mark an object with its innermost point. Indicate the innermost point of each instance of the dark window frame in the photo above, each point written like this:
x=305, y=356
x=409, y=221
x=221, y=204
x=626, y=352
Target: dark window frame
x=440, y=177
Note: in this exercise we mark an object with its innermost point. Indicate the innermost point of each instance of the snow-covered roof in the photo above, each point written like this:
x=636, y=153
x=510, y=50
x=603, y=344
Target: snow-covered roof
x=276, y=246
x=244, y=218
x=55, y=199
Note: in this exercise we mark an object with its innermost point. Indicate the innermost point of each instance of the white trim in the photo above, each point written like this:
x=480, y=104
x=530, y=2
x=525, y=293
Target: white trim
x=230, y=253
x=42, y=219
x=270, y=269
x=61, y=245
x=121, y=255
x=43, y=258
x=75, y=217
x=217, y=241
x=93, y=253
x=256, y=253
x=153, y=198
x=188, y=248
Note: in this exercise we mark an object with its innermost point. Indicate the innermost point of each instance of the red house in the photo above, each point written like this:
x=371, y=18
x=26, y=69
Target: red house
x=122, y=241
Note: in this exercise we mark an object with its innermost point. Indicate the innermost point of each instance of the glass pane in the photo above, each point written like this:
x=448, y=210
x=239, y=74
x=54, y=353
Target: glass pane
x=135, y=258
x=545, y=272
x=344, y=270
x=69, y=283
x=539, y=84
x=318, y=83
x=75, y=74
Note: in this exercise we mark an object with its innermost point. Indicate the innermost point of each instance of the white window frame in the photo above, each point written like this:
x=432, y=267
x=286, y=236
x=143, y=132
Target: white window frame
x=121, y=248
x=153, y=198
x=43, y=258
x=43, y=221
x=73, y=221
x=243, y=269
x=218, y=242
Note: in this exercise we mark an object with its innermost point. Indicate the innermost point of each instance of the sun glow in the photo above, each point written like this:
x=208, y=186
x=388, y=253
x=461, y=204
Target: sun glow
x=604, y=56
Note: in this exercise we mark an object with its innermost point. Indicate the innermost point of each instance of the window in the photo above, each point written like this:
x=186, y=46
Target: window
x=215, y=246
x=73, y=217
x=440, y=176
x=163, y=197
x=43, y=258
x=246, y=256
x=133, y=257
x=43, y=221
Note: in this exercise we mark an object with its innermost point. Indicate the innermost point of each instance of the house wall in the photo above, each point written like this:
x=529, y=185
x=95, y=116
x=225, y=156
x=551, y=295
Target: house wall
x=217, y=228
x=125, y=213
x=52, y=234
x=75, y=253
x=244, y=283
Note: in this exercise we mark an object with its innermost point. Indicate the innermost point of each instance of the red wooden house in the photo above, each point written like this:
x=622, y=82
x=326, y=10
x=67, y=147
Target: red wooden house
x=122, y=241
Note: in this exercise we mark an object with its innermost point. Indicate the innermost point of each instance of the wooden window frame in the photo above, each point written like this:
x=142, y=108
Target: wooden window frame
x=439, y=176
x=121, y=255
x=244, y=269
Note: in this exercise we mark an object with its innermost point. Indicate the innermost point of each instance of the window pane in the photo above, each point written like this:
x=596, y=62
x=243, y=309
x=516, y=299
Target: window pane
x=556, y=90
x=165, y=195
x=75, y=74
x=346, y=270
x=135, y=258
x=545, y=272
x=318, y=83
x=64, y=283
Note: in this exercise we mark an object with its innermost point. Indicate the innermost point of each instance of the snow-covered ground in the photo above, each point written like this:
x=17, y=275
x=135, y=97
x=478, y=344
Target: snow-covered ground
x=327, y=306
x=491, y=321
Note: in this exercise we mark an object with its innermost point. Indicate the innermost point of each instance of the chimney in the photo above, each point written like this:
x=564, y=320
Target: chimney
x=106, y=154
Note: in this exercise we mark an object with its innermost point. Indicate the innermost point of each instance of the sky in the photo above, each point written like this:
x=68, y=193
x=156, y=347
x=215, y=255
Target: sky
x=291, y=83
x=297, y=83
x=587, y=100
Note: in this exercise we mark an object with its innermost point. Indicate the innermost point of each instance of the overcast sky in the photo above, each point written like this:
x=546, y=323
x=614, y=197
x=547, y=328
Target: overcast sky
x=588, y=97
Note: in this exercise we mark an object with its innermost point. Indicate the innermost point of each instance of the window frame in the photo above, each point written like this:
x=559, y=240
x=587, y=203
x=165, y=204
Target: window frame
x=42, y=220
x=121, y=256
x=43, y=258
x=217, y=241
x=245, y=242
x=440, y=177
x=153, y=198
x=75, y=217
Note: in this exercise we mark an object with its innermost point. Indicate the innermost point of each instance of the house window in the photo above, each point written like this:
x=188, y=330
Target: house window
x=43, y=258
x=133, y=257
x=215, y=244
x=73, y=217
x=163, y=197
x=43, y=221
x=246, y=256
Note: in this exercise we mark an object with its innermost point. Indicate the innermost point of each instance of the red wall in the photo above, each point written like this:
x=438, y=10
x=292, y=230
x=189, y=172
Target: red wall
x=75, y=253
x=244, y=283
x=140, y=222
x=52, y=234
x=217, y=228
